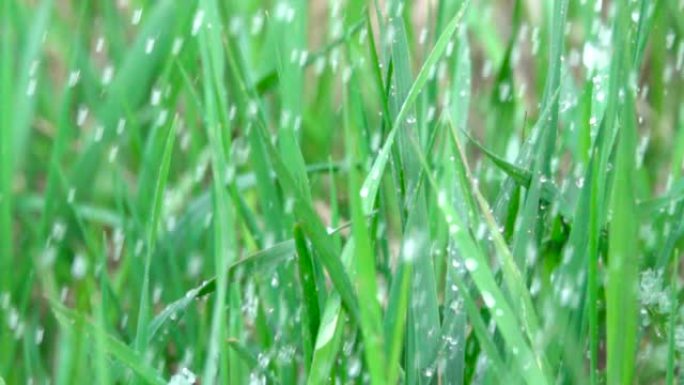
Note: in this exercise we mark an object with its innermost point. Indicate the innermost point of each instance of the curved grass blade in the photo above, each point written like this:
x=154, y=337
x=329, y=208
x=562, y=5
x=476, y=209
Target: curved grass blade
x=252, y=361
x=151, y=229
x=311, y=314
x=477, y=266
x=114, y=346
x=366, y=284
x=371, y=184
x=523, y=178
x=512, y=275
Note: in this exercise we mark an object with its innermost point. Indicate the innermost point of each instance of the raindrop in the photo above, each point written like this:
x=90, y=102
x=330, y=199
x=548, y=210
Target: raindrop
x=99, y=45
x=155, y=97
x=488, y=299
x=137, y=15
x=71, y=195
x=257, y=24
x=149, y=45
x=177, y=46
x=107, y=75
x=113, y=152
x=74, y=77
x=470, y=264
x=79, y=266
x=99, y=133
x=197, y=22
x=31, y=88
x=81, y=115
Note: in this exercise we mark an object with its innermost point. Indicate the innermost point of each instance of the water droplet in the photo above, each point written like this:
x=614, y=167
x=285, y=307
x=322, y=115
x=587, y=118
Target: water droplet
x=81, y=115
x=149, y=45
x=197, y=22
x=137, y=15
x=488, y=299
x=31, y=88
x=107, y=75
x=74, y=77
x=79, y=266
x=470, y=264
x=155, y=97
x=113, y=152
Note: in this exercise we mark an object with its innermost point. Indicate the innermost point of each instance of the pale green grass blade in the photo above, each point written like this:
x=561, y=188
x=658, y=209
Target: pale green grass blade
x=251, y=361
x=6, y=149
x=674, y=305
x=151, y=230
x=478, y=268
x=115, y=347
x=26, y=83
x=215, y=103
x=545, y=144
x=366, y=284
x=511, y=273
x=623, y=265
x=291, y=35
x=623, y=261
x=315, y=230
x=623, y=254
x=370, y=185
x=130, y=86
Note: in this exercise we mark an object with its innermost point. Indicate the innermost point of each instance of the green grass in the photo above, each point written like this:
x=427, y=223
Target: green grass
x=353, y=192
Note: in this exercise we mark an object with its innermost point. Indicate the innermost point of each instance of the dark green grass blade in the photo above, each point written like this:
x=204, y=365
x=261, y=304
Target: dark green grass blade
x=311, y=315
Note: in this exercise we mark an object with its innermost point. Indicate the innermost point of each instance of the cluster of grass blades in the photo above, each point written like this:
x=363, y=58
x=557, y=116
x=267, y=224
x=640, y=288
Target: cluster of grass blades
x=341, y=192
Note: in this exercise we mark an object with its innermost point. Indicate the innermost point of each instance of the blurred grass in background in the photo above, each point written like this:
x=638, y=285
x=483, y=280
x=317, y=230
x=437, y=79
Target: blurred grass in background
x=334, y=192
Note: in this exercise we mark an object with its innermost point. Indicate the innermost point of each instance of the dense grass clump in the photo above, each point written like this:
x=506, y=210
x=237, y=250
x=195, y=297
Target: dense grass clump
x=341, y=192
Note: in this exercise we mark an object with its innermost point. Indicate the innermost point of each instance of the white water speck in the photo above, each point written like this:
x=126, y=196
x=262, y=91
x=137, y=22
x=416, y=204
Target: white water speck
x=252, y=108
x=409, y=248
x=423, y=36
x=149, y=45
x=99, y=133
x=593, y=57
x=454, y=229
x=58, y=230
x=257, y=24
x=470, y=264
x=197, y=22
x=121, y=126
x=40, y=332
x=107, y=75
x=488, y=299
x=113, y=152
x=74, y=77
x=183, y=377
x=99, y=45
x=71, y=195
x=31, y=88
x=137, y=16
x=81, y=115
x=155, y=97
x=79, y=266
x=177, y=46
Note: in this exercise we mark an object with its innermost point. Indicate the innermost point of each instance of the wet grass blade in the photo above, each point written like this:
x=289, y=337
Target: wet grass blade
x=152, y=225
x=115, y=347
x=311, y=315
x=370, y=185
x=366, y=284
